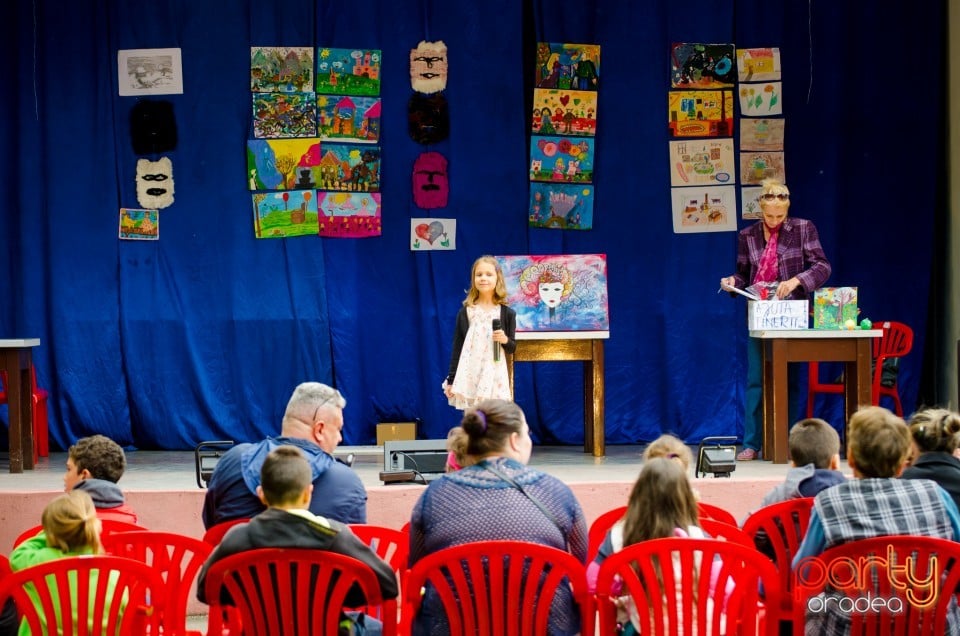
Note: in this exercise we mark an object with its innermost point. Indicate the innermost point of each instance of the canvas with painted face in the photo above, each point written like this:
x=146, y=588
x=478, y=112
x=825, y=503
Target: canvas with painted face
x=564, y=292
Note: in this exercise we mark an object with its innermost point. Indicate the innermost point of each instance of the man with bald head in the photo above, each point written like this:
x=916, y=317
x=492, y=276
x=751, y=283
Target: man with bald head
x=312, y=422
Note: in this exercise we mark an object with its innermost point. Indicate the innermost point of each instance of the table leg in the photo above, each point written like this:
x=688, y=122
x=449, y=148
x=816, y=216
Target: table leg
x=593, y=402
x=857, y=389
x=776, y=409
x=17, y=363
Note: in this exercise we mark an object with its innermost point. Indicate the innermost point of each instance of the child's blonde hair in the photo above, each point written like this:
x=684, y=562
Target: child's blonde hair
x=457, y=441
x=671, y=447
x=71, y=524
x=499, y=290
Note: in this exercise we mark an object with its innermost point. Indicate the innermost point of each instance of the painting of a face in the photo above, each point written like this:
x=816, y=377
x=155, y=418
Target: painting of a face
x=428, y=67
x=155, y=183
x=431, y=186
x=551, y=294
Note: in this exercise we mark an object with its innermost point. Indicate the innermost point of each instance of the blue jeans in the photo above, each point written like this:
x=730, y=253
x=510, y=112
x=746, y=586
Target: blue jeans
x=753, y=417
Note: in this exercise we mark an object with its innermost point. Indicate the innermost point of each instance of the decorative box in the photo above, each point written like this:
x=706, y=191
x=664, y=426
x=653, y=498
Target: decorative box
x=767, y=315
x=834, y=306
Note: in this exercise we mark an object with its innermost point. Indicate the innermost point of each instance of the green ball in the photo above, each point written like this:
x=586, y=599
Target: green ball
x=866, y=324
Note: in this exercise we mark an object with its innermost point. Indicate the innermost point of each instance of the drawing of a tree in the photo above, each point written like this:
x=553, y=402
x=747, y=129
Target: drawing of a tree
x=841, y=297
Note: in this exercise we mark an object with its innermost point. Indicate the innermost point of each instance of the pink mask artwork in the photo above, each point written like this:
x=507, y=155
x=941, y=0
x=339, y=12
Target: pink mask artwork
x=431, y=185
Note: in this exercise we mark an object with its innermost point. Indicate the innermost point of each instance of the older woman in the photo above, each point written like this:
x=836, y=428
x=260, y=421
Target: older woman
x=498, y=497
x=777, y=249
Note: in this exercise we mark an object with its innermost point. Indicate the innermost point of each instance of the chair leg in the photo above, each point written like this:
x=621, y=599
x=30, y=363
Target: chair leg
x=41, y=432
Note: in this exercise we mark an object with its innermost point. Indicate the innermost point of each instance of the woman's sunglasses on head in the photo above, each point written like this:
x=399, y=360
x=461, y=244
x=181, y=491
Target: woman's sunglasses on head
x=769, y=196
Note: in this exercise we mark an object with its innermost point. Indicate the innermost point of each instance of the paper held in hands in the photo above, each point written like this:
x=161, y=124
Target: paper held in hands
x=739, y=291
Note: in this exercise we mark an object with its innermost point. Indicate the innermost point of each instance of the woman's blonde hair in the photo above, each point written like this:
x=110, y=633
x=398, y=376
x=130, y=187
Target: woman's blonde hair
x=71, y=524
x=499, y=290
x=773, y=186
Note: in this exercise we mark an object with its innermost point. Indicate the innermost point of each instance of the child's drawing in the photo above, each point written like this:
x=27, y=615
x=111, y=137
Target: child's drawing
x=281, y=69
x=707, y=209
x=149, y=72
x=558, y=293
x=282, y=164
x=568, y=66
x=346, y=118
x=433, y=234
x=561, y=112
x=761, y=100
x=139, y=225
x=349, y=215
x=561, y=206
x=761, y=134
x=281, y=214
x=750, y=202
x=702, y=65
x=284, y=115
x=701, y=162
x=758, y=65
x=561, y=159
x=348, y=168
x=757, y=166
x=348, y=71
x=700, y=113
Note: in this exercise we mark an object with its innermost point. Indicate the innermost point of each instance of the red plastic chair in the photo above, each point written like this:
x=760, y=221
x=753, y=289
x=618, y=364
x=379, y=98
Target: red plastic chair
x=711, y=511
x=896, y=342
x=927, y=559
x=215, y=533
x=109, y=528
x=680, y=571
x=725, y=532
x=777, y=531
x=599, y=528
x=390, y=544
x=178, y=558
x=41, y=432
x=498, y=587
x=285, y=591
x=87, y=595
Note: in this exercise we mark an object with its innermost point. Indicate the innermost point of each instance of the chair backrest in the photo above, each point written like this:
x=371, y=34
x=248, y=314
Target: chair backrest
x=911, y=580
x=291, y=591
x=177, y=557
x=390, y=544
x=599, y=528
x=83, y=595
x=716, y=512
x=724, y=531
x=109, y=528
x=214, y=534
x=499, y=587
x=4, y=565
x=690, y=586
x=777, y=531
x=896, y=342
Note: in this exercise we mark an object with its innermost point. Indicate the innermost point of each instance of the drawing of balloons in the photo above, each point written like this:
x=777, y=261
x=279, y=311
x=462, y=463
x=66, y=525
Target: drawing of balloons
x=548, y=148
x=565, y=146
x=307, y=195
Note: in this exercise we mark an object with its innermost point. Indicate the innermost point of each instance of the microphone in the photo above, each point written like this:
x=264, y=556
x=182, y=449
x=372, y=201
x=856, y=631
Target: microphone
x=496, y=345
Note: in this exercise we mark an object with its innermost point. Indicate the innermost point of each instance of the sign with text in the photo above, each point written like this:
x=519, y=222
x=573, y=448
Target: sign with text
x=767, y=315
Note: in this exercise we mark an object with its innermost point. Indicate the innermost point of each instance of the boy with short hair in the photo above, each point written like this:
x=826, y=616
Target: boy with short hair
x=286, y=489
x=814, y=460
x=94, y=465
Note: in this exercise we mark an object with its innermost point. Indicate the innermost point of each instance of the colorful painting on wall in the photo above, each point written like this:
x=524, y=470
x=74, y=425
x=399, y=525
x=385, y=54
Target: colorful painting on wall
x=761, y=100
x=701, y=162
x=349, y=215
x=433, y=234
x=561, y=206
x=560, y=112
x=700, y=113
x=347, y=118
x=750, y=202
x=282, y=164
x=139, y=225
x=568, y=66
x=281, y=69
x=757, y=166
x=558, y=293
x=348, y=71
x=707, y=209
x=561, y=159
x=758, y=65
x=348, y=168
x=762, y=134
x=284, y=115
x=702, y=65
x=281, y=214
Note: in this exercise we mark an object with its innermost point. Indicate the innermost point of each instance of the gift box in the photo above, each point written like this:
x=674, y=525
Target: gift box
x=834, y=306
x=767, y=315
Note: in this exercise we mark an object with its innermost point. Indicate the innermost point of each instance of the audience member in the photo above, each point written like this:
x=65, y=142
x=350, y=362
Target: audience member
x=457, y=456
x=935, y=441
x=814, y=462
x=312, y=422
x=94, y=465
x=875, y=504
x=499, y=497
x=671, y=447
x=286, y=490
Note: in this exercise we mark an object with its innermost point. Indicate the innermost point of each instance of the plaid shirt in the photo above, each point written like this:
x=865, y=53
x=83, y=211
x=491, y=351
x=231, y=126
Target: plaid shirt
x=798, y=254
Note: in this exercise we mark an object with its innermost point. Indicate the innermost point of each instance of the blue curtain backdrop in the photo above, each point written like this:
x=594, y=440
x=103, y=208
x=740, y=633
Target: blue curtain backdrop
x=203, y=334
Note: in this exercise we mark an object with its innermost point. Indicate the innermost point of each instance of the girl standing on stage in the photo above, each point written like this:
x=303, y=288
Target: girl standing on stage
x=484, y=332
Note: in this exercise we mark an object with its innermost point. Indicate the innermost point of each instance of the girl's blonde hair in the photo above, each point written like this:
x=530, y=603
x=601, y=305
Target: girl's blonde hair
x=499, y=290
x=670, y=447
x=661, y=500
x=70, y=523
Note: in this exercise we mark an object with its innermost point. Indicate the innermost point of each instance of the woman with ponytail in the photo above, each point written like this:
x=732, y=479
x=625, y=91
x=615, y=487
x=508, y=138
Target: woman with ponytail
x=935, y=441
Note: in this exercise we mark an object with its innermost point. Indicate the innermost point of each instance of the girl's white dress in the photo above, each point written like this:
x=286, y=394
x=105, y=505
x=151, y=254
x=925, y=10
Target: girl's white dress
x=478, y=376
